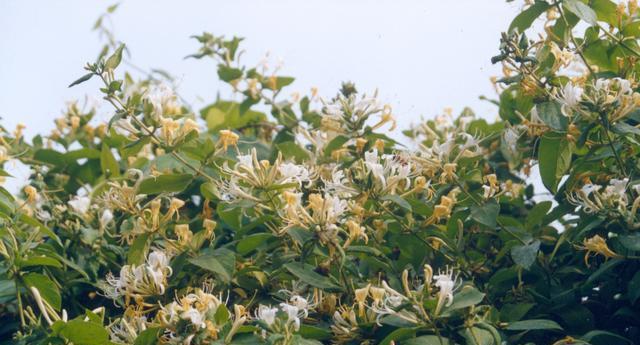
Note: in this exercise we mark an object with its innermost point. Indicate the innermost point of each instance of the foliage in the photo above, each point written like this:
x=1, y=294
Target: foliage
x=299, y=221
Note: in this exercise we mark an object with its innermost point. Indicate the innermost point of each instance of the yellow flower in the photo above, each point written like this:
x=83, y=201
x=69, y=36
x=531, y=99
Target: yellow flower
x=361, y=297
x=209, y=226
x=183, y=233
x=75, y=122
x=355, y=231
x=597, y=245
x=448, y=172
x=360, y=143
x=377, y=294
x=228, y=138
x=31, y=193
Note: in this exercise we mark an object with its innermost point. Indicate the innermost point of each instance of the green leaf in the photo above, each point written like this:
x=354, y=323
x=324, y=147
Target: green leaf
x=84, y=332
x=478, y=336
x=524, y=20
x=335, y=144
x=220, y=261
x=252, y=242
x=148, y=337
x=581, y=10
x=398, y=200
x=625, y=128
x=598, y=337
x=108, y=162
x=82, y=79
x=167, y=183
x=50, y=156
x=114, y=60
x=525, y=255
x=464, y=298
x=606, y=10
x=312, y=332
x=399, y=334
x=554, y=156
x=227, y=73
x=40, y=261
x=208, y=190
x=427, y=340
x=515, y=312
x=226, y=115
x=222, y=314
x=138, y=250
x=308, y=275
x=633, y=288
x=537, y=213
x=280, y=83
x=486, y=214
x=551, y=115
x=533, y=324
x=290, y=149
x=47, y=288
x=631, y=242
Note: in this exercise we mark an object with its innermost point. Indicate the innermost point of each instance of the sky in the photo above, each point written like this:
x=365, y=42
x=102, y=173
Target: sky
x=421, y=55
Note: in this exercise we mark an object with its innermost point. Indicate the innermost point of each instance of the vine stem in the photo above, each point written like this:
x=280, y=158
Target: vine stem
x=121, y=107
x=573, y=39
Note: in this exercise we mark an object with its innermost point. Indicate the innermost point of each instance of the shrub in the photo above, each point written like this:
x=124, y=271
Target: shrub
x=302, y=221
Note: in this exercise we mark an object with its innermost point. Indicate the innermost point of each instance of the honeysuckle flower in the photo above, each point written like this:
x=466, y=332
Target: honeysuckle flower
x=106, y=218
x=80, y=204
x=266, y=314
x=148, y=279
x=448, y=172
x=4, y=155
x=125, y=128
x=188, y=126
x=446, y=283
x=338, y=184
x=227, y=138
x=597, y=245
x=292, y=313
x=291, y=172
x=356, y=231
x=31, y=193
x=194, y=317
x=570, y=97
x=301, y=303
x=184, y=234
x=361, y=297
x=163, y=99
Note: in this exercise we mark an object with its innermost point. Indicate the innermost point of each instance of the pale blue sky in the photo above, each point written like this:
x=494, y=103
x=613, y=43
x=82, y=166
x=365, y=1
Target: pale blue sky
x=422, y=55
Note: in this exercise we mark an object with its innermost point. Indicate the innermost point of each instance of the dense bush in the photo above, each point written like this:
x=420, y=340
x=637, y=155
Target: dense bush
x=303, y=220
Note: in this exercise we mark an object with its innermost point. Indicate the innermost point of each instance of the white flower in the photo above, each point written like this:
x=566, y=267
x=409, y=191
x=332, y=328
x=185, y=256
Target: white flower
x=246, y=161
x=293, y=173
x=301, y=303
x=124, y=127
x=618, y=187
x=292, y=314
x=194, y=316
x=106, y=217
x=267, y=314
x=511, y=138
x=80, y=204
x=446, y=283
x=589, y=188
x=163, y=99
x=372, y=162
x=570, y=97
